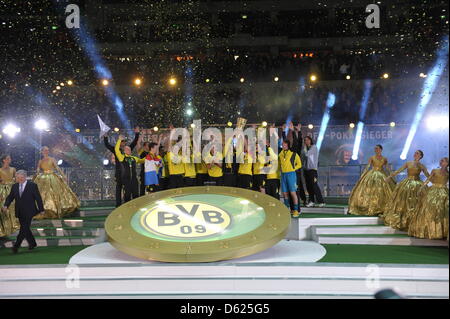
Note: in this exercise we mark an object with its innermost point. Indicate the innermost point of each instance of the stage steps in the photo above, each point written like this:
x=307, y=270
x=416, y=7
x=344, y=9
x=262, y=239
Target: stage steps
x=82, y=228
x=45, y=241
x=353, y=230
x=223, y=280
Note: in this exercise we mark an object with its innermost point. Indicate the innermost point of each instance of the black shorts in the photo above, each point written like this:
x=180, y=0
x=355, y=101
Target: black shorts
x=217, y=180
x=176, y=181
x=245, y=181
x=258, y=182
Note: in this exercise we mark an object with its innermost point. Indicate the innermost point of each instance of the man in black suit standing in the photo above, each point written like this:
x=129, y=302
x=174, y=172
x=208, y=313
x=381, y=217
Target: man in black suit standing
x=28, y=204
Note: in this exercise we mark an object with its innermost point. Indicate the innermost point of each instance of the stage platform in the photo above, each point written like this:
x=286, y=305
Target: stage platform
x=312, y=262
x=284, y=271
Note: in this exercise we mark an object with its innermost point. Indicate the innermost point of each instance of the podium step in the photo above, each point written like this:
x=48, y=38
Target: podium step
x=46, y=241
x=378, y=239
x=355, y=230
x=67, y=231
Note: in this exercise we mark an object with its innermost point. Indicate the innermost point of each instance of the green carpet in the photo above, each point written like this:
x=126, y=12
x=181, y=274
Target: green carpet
x=385, y=254
x=39, y=256
x=335, y=254
x=97, y=208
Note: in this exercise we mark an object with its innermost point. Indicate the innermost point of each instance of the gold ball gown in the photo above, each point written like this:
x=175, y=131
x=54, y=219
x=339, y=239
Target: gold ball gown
x=406, y=197
x=371, y=193
x=8, y=221
x=430, y=219
x=59, y=200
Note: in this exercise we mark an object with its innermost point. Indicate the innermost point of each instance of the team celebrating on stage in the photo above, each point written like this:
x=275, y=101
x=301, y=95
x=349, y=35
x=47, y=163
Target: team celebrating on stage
x=408, y=206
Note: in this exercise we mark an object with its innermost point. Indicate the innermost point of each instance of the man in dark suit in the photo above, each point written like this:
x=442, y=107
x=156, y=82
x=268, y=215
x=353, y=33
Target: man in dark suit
x=28, y=204
x=118, y=174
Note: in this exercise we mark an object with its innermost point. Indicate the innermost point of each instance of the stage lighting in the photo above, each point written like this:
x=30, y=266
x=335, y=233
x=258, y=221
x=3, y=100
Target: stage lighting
x=70, y=82
x=41, y=125
x=264, y=124
x=348, y=77
x=138, y=81
x=276, y=79
x=156, y=129
x=437, y=122
x=313, y=78
x=105, y=82
x=77, y=130
x=105, y=162
x=422, y=75
x=392, y=124
x=207, y=80
x=172, y=81
x=62, y=83
x=244, y=16
x=386, y=76
x=58, y=87
x=189, y=112
x=242, y=80
x=352, y=125
x=116, y=129
x=310, y=126
x=403, y=157
x=11, y=130
x=230, y=124
x=60, y=162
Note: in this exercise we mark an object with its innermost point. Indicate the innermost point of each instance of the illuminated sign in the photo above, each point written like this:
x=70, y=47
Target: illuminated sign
x=198, y=224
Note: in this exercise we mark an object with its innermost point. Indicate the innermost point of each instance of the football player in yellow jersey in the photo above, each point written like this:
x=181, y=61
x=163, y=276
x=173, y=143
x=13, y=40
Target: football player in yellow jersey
x=245, y=172
x=259, y=174
x=230, y=169
x=201, y=172
x=272, y=186
x=190, y=173
x=289, y=162
x=176, y=169
x=214, y=163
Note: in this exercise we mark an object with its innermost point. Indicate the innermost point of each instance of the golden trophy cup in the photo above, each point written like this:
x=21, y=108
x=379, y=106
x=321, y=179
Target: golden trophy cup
x=241, y=122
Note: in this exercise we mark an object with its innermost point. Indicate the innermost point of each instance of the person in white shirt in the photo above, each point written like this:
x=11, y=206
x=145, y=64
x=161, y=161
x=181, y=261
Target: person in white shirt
x=311, y=153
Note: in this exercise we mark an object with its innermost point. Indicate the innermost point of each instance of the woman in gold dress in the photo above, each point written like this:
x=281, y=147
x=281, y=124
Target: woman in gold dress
x=431, y=217
x=59, y=200
x=372, y=192
x=8, y=221
x=406, y=195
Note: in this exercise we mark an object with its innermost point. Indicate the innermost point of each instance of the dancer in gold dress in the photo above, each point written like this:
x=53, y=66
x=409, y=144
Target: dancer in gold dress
x=8, y=221
x=406, y=195
x=59, y=200
x=372, y=192
x=431, y=217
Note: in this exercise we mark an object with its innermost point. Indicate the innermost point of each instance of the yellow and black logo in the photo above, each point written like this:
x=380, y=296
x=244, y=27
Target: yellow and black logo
x=186, y=220
x=198, y=224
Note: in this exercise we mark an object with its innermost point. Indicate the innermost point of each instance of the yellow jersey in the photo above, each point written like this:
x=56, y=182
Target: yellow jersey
x=212, y=160
x=246, y=167
x=174, y=168
x=289, y=161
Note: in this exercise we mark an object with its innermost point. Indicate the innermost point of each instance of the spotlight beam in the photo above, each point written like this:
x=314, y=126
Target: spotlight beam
x=91, y=50
x=429, y=86
x=326, y=118
x=362, y=115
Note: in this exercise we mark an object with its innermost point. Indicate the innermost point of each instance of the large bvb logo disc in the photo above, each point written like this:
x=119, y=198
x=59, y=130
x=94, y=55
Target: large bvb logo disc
x=198, y=224
x=186, y=220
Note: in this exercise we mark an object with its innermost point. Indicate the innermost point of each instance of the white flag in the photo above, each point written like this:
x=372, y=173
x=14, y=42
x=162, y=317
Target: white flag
x=103, y=127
